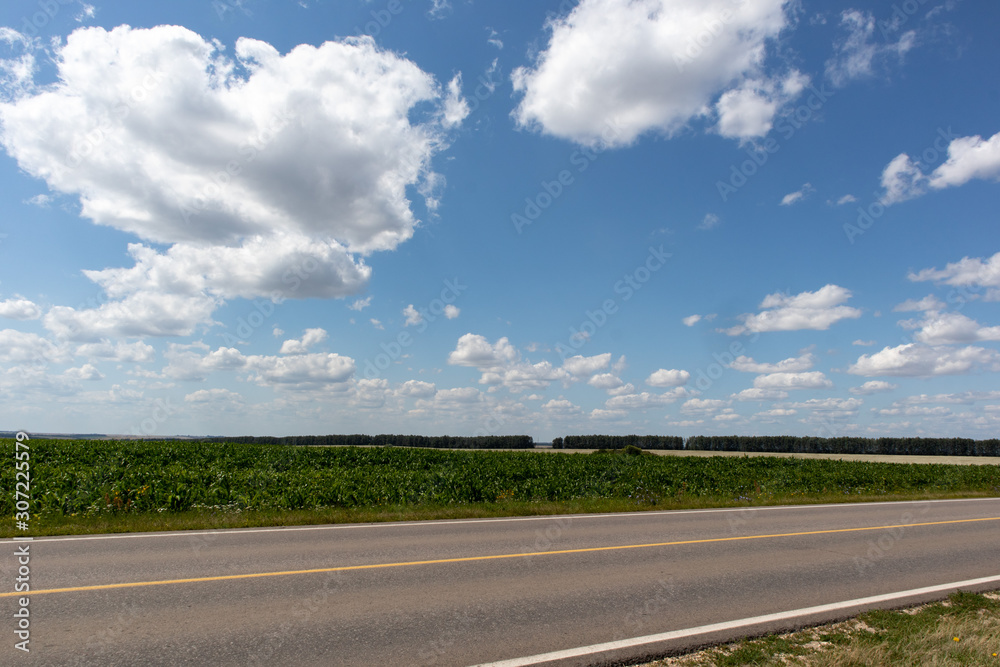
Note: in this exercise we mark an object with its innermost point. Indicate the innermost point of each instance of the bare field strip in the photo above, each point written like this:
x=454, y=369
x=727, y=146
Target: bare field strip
x=873, y=458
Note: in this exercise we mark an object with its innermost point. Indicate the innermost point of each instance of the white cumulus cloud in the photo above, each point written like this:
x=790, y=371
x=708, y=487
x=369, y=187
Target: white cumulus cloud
x=615, y=69
x=19, y=309
x=916, y=360
x=668, y=378
x=288, y=170
x=807, y=310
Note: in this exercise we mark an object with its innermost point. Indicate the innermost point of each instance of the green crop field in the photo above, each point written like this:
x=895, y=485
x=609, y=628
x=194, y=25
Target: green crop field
x=101, y=482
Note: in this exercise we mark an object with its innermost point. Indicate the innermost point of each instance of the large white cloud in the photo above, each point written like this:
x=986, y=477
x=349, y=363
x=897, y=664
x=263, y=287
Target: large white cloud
x=807, y=310
x=916, y=360
x=614, y=69
x=266, y=174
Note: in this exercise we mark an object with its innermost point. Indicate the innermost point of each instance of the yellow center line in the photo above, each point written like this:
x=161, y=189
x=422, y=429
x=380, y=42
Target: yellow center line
x=467, y=559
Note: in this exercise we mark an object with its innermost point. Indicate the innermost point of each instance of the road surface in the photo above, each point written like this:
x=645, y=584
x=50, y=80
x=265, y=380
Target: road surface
x=572, y=589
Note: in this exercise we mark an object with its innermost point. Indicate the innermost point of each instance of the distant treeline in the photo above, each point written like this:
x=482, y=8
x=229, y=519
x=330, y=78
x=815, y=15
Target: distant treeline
x=619, y=442
x=361, y=440
x=813, y=445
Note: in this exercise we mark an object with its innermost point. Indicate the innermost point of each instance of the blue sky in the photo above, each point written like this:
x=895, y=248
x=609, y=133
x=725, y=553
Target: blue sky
x=468, y=217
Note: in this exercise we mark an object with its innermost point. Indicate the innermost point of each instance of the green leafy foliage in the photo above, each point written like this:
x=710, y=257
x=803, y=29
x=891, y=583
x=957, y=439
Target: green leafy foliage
x=91, y=477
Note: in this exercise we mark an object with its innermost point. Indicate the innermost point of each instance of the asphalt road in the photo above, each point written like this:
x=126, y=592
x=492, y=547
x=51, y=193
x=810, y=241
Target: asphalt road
x=467, y=593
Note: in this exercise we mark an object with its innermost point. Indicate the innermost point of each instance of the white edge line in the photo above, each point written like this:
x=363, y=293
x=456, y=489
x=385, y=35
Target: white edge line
x=730, y=625
x=545, y=517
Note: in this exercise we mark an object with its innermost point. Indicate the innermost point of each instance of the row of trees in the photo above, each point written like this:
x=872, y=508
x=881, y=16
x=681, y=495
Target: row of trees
x=715, y=443
x=847, y=445
x=362, y=440
x=619, y=442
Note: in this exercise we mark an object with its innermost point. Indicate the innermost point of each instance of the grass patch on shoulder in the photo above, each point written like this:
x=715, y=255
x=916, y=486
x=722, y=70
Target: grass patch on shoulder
x=963, y=630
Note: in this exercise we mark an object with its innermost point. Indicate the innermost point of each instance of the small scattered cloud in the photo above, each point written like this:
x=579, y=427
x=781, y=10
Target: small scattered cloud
x=710, y=221
x=494, y=39
x=929, y=302
x=310, y=338
x=439, y=9
x=858, y=54
x=361, y=304
x=41, y=201
x=760, y=394
x=668, y=378
x=873, y=387
x=790, y=365
x=19, y=309
x=412, y=315
x=798, y=195
x=788, y=381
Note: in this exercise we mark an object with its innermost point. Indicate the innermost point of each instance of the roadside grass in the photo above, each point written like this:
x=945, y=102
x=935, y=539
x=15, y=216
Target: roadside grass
x=963, y=630
x=229, y=517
